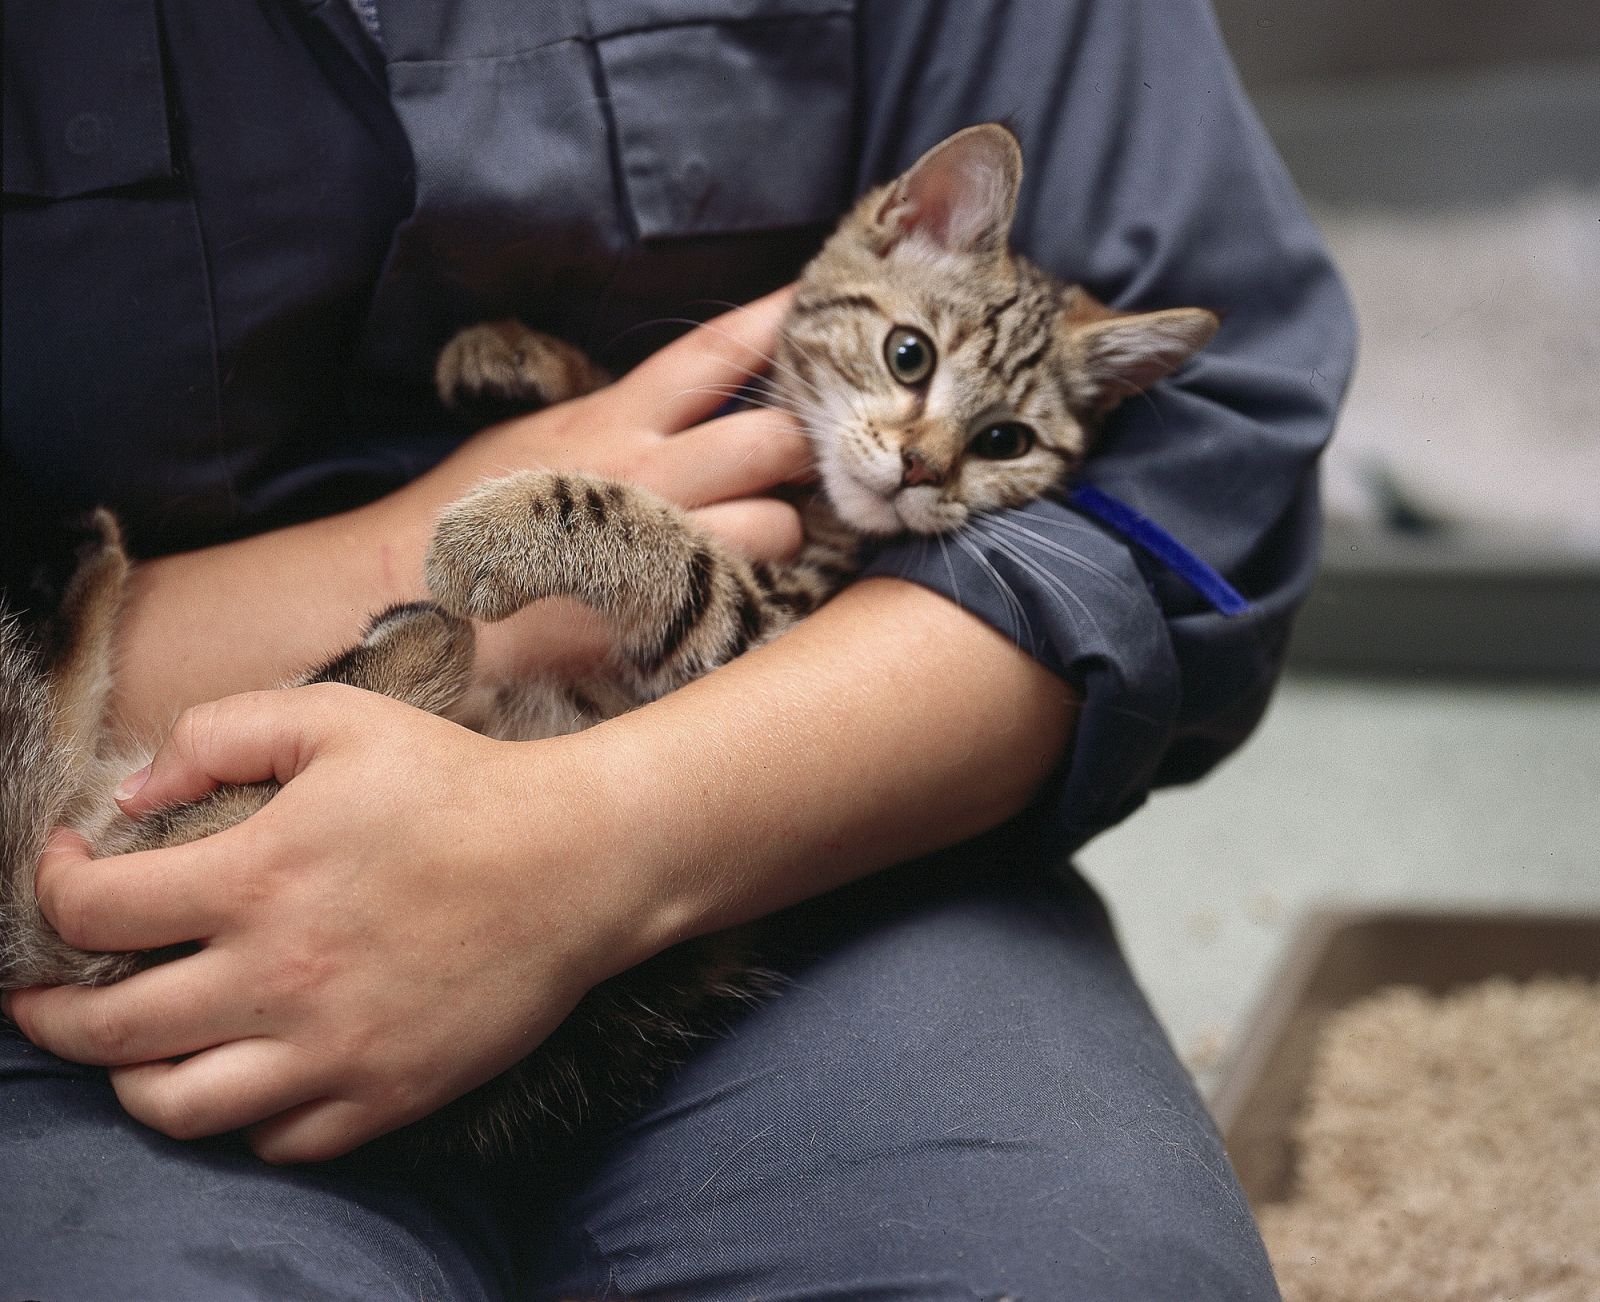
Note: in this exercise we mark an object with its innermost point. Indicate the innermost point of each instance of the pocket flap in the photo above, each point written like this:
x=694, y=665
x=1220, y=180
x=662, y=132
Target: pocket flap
x=85, y=107
x=733, y=126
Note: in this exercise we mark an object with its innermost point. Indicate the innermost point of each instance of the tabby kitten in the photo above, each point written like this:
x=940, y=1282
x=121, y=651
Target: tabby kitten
x=938, y=375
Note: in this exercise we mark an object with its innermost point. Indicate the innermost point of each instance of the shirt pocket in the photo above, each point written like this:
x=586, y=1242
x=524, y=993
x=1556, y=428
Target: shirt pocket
x=104, y=126
x=729, y=117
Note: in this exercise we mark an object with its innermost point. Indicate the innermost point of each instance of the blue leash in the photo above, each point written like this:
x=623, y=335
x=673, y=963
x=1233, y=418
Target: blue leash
x=1144, y=532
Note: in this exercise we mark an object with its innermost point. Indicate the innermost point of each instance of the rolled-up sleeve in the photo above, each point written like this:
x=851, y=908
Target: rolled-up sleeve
x=1150, y=181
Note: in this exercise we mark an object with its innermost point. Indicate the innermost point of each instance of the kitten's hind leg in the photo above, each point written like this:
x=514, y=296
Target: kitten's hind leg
x=83, y=631
x=493, y=372
x=416, y=653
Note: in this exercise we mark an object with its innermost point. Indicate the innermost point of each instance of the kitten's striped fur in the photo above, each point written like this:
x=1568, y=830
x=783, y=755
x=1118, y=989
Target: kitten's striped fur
x=923, y=259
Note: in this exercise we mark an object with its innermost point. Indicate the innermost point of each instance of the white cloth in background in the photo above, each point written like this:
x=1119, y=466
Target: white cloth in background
x=1477, y=395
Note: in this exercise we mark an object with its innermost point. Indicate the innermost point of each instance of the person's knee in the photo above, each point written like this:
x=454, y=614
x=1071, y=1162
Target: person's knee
x=971, y=1100
x=1008, y=1214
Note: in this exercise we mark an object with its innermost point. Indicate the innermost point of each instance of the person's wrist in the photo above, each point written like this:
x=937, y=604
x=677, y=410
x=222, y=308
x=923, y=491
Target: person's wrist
x=639, y=836
x=393, y=532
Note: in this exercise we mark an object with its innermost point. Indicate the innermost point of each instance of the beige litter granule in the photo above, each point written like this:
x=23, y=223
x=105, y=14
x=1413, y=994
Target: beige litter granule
x=1449, y=1150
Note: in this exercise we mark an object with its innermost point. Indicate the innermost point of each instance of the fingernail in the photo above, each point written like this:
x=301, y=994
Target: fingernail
x=132, y=784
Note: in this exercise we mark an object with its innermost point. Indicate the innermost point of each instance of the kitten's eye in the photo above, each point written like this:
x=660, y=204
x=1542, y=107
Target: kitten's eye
x=909, y=354
x=1003, y=442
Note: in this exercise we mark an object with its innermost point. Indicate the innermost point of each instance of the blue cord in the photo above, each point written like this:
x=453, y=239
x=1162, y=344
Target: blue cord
x=1146, y=533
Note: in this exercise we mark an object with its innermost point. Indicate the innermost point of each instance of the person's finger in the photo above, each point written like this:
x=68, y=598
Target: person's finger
x=693, y=376
x=159, y=1013
x=319, y=1130
x=225, y=1088
x=758, y=528
x=252, y=737
x=64, y=850
x=739, y=455
x=132, y=901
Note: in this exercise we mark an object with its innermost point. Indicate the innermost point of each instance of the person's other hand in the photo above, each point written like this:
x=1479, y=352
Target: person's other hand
x=414, y=911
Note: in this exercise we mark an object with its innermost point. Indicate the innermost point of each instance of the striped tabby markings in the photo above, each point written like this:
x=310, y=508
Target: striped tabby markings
x=839, y=302
x=691, y=610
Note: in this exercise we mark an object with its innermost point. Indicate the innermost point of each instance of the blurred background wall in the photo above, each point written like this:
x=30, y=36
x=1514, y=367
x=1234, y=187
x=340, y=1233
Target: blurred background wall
x=1437, y=740
x=1290, y=42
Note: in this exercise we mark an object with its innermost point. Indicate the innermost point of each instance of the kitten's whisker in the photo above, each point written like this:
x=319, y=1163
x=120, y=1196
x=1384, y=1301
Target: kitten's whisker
x=1015, y=529
x=743, y=395
x=949, y=565
x=1073, y=524
x=1019, y=532
x=811, y=356
x=1015, y=610
x=771, y=361
x=1053, y=583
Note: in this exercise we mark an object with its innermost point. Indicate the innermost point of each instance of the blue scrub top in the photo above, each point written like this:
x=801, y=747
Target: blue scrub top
x=237, y=235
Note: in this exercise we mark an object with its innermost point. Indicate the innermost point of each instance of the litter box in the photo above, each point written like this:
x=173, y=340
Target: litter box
x=1339, y=958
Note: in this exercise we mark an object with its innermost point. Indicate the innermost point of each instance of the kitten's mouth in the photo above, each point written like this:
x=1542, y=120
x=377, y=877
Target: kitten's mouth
x=869, y=495
x=861, y=504
x=915, y=509
x=927, y=510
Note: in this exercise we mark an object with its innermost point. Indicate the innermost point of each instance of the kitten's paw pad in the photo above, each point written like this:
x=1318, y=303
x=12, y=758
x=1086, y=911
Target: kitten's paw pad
x=502, y=369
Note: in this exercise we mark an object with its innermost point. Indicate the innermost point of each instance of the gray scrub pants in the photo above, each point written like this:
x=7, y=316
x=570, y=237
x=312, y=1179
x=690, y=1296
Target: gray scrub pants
x=960, y=1093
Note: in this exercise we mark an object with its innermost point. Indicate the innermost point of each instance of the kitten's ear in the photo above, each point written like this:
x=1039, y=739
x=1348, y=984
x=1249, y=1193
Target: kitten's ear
x=1124, y=355
x=960, y=195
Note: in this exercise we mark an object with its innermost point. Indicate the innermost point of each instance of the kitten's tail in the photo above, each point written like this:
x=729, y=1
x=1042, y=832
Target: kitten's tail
x=53, y=696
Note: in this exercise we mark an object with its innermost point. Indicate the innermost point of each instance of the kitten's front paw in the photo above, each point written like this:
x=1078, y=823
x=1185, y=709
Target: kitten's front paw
x=480, y=564
x=503, y=369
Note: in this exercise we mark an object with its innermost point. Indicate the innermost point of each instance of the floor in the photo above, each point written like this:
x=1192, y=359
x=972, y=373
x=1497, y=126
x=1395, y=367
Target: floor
x=1352, y=793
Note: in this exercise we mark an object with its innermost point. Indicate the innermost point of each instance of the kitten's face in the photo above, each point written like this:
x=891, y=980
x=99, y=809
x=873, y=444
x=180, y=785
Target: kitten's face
x=937, y=374
x=930, y=393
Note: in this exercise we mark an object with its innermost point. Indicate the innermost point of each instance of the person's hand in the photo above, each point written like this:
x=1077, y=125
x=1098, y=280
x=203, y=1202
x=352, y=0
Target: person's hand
x=414, y=911
x=649, y=428
x=255, y=613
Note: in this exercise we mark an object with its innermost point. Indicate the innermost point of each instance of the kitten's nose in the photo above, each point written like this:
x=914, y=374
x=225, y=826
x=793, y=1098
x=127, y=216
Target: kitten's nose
x=918, y=469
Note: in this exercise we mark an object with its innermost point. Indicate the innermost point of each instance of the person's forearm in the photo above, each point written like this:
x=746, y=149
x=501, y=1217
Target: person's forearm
x=888, y=724
x=254, y=613
x=258, y=612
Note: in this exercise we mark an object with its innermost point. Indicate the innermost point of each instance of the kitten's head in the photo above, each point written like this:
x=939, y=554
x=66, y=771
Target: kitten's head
x=938, y=373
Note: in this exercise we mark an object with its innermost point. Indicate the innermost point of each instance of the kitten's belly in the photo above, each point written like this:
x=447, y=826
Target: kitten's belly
x=535, y=708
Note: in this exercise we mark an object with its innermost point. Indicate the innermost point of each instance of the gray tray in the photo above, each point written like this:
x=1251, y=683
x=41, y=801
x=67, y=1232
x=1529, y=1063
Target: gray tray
x=1451, y=604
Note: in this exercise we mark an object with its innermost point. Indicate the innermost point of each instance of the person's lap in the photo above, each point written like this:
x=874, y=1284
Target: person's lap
x=959, y=1093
